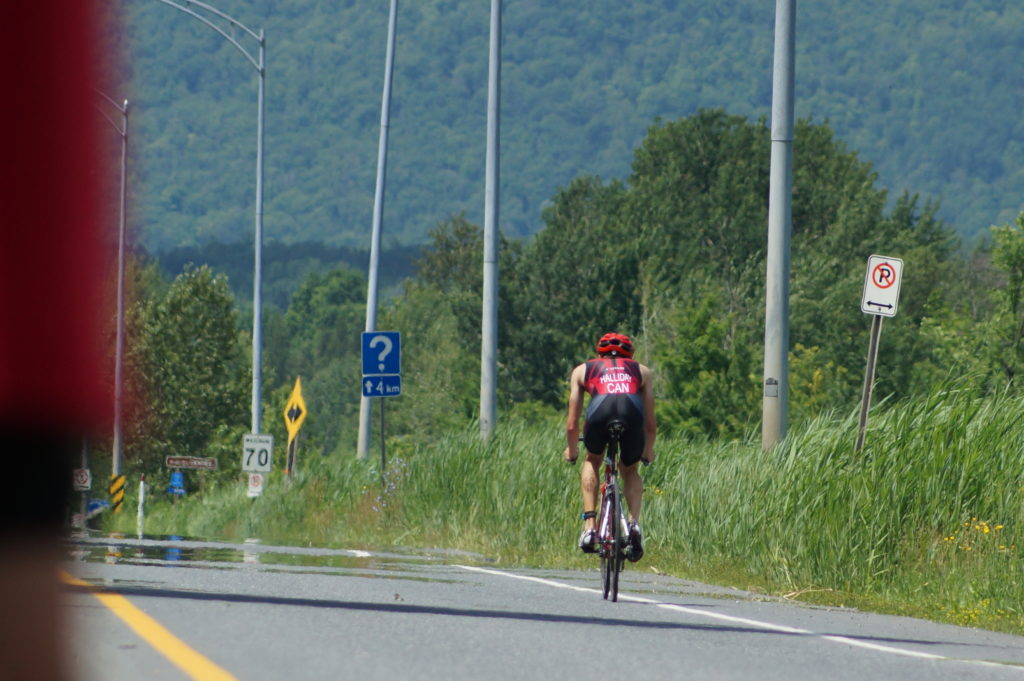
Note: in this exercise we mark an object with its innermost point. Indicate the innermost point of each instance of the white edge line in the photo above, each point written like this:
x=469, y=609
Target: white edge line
x=749, y=622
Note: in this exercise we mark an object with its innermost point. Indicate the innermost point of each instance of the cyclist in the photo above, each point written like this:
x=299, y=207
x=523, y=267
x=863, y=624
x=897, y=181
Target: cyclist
x=620, y=388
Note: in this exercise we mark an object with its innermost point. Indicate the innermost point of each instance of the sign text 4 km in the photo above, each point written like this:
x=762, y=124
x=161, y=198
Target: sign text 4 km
x=257, y=453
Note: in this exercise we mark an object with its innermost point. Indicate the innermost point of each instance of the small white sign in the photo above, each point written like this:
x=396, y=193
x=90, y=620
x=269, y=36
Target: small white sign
x=82, y=480
x=882, y=286
x=257, y=452
x=255, y=484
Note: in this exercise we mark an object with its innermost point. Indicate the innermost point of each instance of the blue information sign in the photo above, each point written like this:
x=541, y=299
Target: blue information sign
x=177, y=483
x=382, y=386
x=382, y=353
x=382, y=364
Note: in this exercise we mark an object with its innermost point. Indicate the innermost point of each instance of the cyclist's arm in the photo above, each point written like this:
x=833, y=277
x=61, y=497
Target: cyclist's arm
x=650, y=422
x=572, y=424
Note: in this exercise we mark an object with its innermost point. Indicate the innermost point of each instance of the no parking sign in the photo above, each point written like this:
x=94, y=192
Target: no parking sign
x=82, y=480
x=255, y=484
x=882, y=286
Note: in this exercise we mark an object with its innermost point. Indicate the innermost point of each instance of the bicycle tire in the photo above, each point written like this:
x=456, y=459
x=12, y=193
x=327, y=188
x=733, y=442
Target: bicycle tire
x=607, y=559
x=615, y=559
x=606, y=579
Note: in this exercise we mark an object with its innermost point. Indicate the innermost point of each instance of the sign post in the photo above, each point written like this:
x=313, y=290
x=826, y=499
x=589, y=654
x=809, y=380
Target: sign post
x=78, y=519
x=880, y=299
x=382, y=372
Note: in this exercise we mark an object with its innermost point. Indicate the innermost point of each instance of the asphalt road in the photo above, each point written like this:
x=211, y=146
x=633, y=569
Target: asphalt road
x=173, y=610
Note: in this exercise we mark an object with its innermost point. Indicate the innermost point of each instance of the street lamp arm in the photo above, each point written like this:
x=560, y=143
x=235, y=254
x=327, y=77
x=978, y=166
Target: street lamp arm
x=225, y=16
x=120, y=128
x=123, y=108
x=257, y=64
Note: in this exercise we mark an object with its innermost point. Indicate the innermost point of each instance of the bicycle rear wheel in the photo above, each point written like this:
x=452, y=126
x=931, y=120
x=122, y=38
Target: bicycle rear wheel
x=606, y=575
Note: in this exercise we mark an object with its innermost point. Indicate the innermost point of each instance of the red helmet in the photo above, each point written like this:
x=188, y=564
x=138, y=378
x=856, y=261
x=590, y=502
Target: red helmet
x=615, y=343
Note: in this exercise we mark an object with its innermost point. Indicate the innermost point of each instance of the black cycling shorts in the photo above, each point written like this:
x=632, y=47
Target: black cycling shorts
x=626, y=408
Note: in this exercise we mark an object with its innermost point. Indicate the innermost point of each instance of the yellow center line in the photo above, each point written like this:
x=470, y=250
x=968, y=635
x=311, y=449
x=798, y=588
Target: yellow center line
x=154, y=633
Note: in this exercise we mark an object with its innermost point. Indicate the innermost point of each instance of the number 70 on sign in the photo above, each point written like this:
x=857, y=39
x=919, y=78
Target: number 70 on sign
x=257, y=453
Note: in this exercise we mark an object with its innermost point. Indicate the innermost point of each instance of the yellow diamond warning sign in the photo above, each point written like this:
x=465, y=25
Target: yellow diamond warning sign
x=295, y=411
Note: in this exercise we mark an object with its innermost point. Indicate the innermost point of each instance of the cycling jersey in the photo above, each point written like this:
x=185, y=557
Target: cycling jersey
x=612, y=376
x=614, y=386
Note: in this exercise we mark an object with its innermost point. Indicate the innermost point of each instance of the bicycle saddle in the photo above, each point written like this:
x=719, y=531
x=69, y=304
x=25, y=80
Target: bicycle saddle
x=616, y=428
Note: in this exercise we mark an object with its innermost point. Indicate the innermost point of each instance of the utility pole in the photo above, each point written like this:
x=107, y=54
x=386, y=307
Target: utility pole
x=780, y=227
x=365, y=414
x=489, y=329
x=122, y=232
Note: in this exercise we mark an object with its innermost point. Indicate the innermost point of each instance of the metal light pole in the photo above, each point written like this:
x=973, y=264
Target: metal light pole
x=122, y=130
x=257, y=283
x=365, y=415
x=780, y=227
x=489, y=324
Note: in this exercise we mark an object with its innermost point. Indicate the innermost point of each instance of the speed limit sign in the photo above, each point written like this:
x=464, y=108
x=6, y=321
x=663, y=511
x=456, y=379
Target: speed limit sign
x=257, y=453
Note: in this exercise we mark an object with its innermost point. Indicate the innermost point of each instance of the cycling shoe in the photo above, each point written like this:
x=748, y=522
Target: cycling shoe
x=588, y=541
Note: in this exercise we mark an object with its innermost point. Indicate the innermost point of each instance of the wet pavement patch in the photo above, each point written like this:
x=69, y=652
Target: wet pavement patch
x=179, y=552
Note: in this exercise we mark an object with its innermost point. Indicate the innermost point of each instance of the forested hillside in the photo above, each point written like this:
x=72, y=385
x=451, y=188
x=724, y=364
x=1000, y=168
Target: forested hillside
x=928, y=91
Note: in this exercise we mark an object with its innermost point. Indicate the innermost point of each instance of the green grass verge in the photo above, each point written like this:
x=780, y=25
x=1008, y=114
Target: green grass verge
x=925, y=521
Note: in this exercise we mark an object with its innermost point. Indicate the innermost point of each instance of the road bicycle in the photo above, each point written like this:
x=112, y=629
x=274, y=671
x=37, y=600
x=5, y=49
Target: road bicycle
x=612, y=531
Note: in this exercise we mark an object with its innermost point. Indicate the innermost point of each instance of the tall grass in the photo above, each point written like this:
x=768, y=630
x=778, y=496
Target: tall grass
x=926, y=519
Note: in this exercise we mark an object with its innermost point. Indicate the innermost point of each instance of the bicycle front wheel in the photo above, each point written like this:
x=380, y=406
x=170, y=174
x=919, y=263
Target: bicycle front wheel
x=606, y=547
x=615, y=555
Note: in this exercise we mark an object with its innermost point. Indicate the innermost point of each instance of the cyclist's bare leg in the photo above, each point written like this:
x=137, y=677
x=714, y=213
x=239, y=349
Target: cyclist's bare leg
x=589, y=486
x=633, y=487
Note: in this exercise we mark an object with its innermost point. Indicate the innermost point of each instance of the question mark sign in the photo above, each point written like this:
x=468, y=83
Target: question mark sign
x=386, y=342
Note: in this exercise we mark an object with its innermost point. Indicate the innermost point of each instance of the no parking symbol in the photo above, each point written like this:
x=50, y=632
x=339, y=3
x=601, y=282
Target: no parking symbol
x=255, y=484
x=82, y=480
x=884, y=275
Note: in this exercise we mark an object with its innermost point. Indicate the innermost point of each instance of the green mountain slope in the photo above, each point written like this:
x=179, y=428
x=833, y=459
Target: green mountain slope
x=928, y=91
